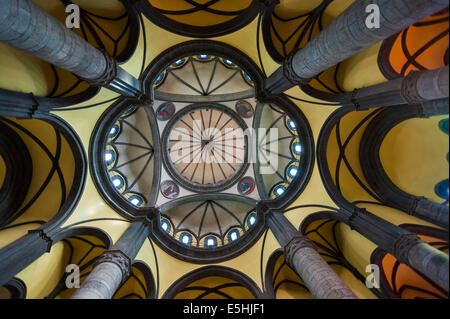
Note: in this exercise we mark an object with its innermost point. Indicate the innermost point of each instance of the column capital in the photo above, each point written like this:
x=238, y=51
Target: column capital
x=118, y=258
x=357, y=212
x=409, y=90
x=294, y=245
x=44, y=236
x=108, y=75
x=403, y=245
x=289, y=73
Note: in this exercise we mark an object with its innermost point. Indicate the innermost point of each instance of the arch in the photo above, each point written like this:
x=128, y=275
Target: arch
x=285, y=31
x=422, y=46
x=18, y=172
x=322, y=159
x=13, y=289
x=195, y=55
x=213, y=205
x=70, y=183
x=376, y=176
x=380, y=231
x=140, y=284
x=65, y=89
x=94, y=23
x=70, y=193
x=322, y=229
x=183, y=21
x=79, y=246
x=117, y=113
x=232, y=279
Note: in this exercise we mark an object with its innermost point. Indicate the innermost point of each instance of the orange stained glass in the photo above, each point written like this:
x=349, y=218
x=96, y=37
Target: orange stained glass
x=407, y=283
x=422, y=46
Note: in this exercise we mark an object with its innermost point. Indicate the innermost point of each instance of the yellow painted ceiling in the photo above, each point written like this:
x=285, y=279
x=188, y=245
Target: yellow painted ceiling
x=403, y=153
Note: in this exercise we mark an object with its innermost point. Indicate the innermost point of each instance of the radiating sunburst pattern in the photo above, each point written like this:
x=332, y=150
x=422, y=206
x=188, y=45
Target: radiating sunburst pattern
x=207, y=147
x=129, y=156
x=209, y=223
x=280, y=150
x=203, y=75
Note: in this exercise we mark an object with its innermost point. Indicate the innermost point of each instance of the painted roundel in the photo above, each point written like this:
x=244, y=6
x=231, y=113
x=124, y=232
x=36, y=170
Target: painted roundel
x=169, y=189
x=165, y=111
x=246, y=185
x=245, y=109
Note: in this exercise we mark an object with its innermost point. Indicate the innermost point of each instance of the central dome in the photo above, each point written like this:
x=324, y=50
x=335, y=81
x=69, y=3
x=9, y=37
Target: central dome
x=205, y=147
x=200, y=156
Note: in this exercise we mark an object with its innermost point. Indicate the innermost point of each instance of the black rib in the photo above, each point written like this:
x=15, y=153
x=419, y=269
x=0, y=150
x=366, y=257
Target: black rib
x=133, y=160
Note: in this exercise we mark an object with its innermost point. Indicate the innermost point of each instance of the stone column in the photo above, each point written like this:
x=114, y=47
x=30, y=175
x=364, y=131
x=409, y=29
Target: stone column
x=27, y=27
x=113, y=267
x=302, y=255
x=423, y=257
x=347, y=35
x=407, y=247
x=435, y=107
x=416, y=88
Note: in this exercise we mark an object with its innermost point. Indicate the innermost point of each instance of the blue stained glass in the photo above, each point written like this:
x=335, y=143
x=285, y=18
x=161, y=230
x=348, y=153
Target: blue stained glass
x=297, y=148
x=211, y=242
x=293, y=172
x=444, y=125
x=186, y=239
x=234, y=235
x=442, y=189
x=165, y=226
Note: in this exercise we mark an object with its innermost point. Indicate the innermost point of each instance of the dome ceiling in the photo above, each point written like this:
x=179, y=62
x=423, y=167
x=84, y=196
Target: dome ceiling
x=205, y=154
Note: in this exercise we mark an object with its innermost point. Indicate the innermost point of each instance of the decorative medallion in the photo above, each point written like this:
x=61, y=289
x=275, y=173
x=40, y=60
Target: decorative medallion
x=165, y=111
x=244, y=109
x=246, y=186
x=169, y=189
